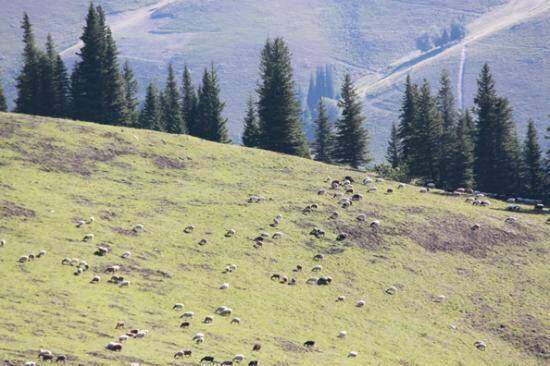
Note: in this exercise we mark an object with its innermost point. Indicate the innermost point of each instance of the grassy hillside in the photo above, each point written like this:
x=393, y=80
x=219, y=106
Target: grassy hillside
x=55, y=172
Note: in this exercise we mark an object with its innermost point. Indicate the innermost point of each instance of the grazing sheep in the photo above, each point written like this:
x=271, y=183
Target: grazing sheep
x=337, y=195
x=112, y=269
x=226, y=363
x=340, y=298
x=256, y=347
x=317, y=268
x=224, y=311
x=309, y=344
x=275, y=277
x=318, y=257
x=318, y=233
x=138, y=229
x=539, y=207
x=253, y=363
x=277, y=235
x=95, y=279
x=120, y=324
x=375, y=225
x=126, y=255
x=124, y=283
x=224, y=286
x=367, y=180
x=61, y=358
x=78, y=271
x=357, y=197
x=480, y=345
x=123, y=338
x=298, y=268
x=312, y=281
x=511, y=220
x=372, y=190
x=23, y=259
x=430, y=185
x=80, y=223
x=41, y=253
x=198, y=338
x=203, y=242
x=423, y=190
x=236, y=321
x=389, y=191
x=238, y=358
x=185, y=325
x=116, y=279
x=187, y=314
x=360, y=303
x=209, y=359
x=400, y=186
x=230, y=268
x=475, y=227
x=342, y=236
x=88, y=237
x=352, y=354
x=361, y=218
x=335, y=184
x=440, y=298
x=178, y=354
x=379, y=180
x=101, y=251
x=349, y=190
x=208, y=320
x=30, y=363
x=342, y=334
x=334, y=215
x=74, y=262
x=321, y=192
x=30, y=256
x=90, y=220
x=255, y=199
x=292, y=282
x=514, y=208
x=324, y=281
x=142, y=333
x=391, y=290
x=114, y=346
x=284, y=279
x=230, y=233
x=189, y=229
x=345, y=203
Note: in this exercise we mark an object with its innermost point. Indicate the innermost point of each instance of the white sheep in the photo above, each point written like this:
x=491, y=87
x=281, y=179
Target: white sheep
x=391, y=290
x=277, y=235
x=126, y=255
x=334, y=215
x=423, y=190
x=367, y=180
x=238, y=358
x=189, y=229
x=321, y=192
x=440, y=298
x=125, y=283
x=187, y=314
x=372, y=189
x=361, y=217
x=511, y=220
x=41, y=253
x=88, y=237
x=229, y=233
x=177, y=306
x=236, y=321
x=317, y=268
x=480, y=345
x=23, y=259
x=352, y=354
x=340, y=298
x=138, y=229
x=224, y=286
x=2, y=243
x=342, y=334
x=360, y=303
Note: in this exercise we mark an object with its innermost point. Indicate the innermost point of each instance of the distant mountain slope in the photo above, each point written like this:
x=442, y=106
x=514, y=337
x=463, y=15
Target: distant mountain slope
x=449, y=286
x=367, y=38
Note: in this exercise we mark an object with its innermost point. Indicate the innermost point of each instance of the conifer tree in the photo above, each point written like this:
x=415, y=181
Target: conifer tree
x=47, y=93
x=3, y=102
x=532, y=170
x=311, y=94
x=329, y=81
x=114, y=102
x=28, y=80
x=425, y=159
x=171, y=109
x=130, y=94
x=351, y=142
x=460, y=172
x=393, y=153
x=210, y=108
x=189, y=104
x=87, y=81
x=62, y=89
x=278, y=110
x=407, y=128
x=496, y=157
x=324, y=140
x=448, y=113
x=151, y=114
x=251, y=132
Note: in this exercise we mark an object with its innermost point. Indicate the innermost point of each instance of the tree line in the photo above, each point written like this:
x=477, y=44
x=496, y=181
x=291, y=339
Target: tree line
x=476, y=148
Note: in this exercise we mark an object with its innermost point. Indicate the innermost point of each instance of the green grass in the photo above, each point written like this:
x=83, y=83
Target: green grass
x=51, y=173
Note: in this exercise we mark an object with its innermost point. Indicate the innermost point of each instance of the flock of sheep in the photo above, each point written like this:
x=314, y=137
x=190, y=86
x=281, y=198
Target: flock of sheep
x=340, y=190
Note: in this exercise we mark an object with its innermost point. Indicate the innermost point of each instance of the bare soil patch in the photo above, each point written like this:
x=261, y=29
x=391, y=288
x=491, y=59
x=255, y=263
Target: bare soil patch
x=10, y=209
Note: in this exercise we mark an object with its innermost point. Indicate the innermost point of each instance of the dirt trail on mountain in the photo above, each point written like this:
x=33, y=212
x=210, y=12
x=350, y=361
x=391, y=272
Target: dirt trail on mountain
x=120, y=22
x=460, y=83
x=513, y=12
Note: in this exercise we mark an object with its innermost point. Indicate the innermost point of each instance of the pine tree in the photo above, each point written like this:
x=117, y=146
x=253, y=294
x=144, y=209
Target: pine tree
x=311, y=94
x=425, y=158
x=532, y=173
x=351, y=142
x=3, y=102
x=278, y=109
x=329, y=81
x=189, y=104
x=324, y=140
x=460, y=172
x=210, y=109
x=28, y=80
x=393, y=153
x=448, y=113
x=407, y=128
x=496, y=157
x=62, y=89
x=151, y=115
x=87, y=81
x=251, y=132
x=130, y=94
x=48, y=90
x=173, y=121
x=114, y=102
